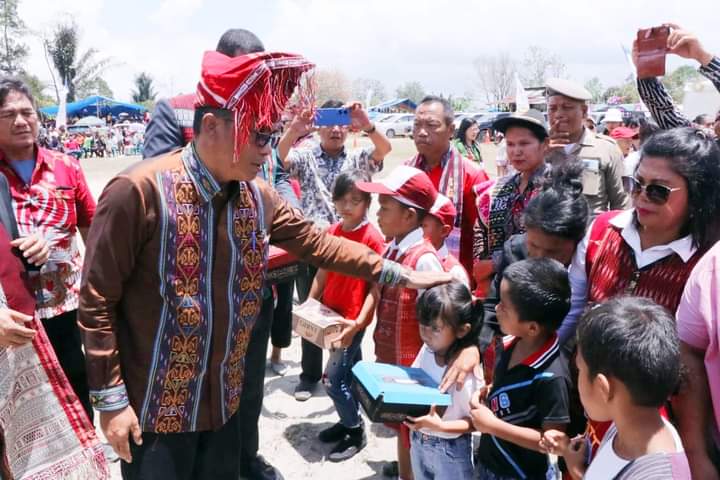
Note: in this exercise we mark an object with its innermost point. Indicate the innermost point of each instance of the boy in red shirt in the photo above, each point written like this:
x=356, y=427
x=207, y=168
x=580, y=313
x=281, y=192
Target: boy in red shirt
x=437, y=226
x=355, y=300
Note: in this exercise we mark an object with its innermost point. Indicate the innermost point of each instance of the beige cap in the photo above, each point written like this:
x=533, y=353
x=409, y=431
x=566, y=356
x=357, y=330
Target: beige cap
x=566, y=88
x=532, y=119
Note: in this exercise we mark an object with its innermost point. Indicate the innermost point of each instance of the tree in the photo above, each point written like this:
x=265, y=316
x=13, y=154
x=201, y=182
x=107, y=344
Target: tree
x=81, y=74
x=539, y=64
x=331, y=85
x=37, y=89
x=595, y=87
x=412, y=90
x=12, y=51
x=361, y=87
x=460, y=104
x=496, y=75
x=675, y=82
x=144, y=90
x=623, y=93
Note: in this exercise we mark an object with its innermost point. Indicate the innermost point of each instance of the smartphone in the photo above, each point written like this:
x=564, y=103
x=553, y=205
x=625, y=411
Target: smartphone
x=651, y=49
x=327, y=117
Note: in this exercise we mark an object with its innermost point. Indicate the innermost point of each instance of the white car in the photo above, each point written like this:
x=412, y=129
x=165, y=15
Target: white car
x=399, y=124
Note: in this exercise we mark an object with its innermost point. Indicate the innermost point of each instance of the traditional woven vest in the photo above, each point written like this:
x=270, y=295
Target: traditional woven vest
x=184, y=107
x=612, y=271
x=397, y=335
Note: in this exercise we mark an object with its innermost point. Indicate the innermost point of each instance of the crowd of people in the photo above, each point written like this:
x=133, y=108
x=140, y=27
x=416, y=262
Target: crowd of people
x=568, y=304
x=110, y=142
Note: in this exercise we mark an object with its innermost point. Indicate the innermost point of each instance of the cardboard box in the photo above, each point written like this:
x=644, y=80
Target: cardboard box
x=317, y=323
x=390, y=393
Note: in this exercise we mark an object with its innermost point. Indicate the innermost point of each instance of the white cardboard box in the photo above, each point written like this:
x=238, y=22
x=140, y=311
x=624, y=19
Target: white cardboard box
x=316, y=323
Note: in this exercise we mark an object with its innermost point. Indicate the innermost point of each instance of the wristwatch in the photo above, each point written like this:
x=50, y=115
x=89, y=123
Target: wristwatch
x=371, y=130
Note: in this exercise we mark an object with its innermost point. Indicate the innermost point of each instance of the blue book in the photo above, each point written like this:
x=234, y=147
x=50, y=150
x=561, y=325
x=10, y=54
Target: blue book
x=390, y=393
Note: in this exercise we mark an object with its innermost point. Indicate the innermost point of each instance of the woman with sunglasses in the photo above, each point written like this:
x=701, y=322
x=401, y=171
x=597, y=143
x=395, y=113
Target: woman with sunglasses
x=649, y=250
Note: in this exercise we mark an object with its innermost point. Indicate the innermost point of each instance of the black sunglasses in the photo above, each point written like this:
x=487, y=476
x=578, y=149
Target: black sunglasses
x=262, y=139
x=655, y=192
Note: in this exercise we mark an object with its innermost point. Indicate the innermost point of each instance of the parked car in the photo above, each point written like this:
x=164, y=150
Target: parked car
x=485, y=122
x=399, y=124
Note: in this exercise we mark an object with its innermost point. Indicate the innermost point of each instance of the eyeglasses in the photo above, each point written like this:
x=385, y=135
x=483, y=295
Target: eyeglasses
x=655, y=192
x=262, y=139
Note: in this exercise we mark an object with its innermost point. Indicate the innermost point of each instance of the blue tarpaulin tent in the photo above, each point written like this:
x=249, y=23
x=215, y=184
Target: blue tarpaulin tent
x=97, y=106
x=402, y=104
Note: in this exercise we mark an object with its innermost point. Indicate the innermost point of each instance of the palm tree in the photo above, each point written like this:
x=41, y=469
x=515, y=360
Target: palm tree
x=143, y=89
x=81, y=74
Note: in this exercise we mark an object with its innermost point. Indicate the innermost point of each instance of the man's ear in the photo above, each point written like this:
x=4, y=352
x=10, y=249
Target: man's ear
x=584, y=110
x=446, y=229
x=209, y=124
x=451, y=130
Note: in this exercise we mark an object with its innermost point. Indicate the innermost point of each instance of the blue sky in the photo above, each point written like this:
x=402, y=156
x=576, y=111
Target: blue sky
x=434, y=42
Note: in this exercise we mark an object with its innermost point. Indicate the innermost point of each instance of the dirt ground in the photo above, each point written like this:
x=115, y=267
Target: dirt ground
x=288, y=429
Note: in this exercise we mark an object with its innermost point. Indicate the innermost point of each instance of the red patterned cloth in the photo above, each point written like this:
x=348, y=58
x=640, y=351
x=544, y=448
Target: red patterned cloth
x=55, y=203
x=44, y=431
x=611, y=269
x=256, y=87
x=397, y=335
x=184, y=110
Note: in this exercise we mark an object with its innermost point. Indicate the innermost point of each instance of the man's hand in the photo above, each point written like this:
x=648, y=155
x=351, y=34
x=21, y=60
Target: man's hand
x=35, y=248
x=431, y=421
x=345, y=337
x=359, y=119
x=117, y=427
x=685, y=44
x=12, y=331
x=558, y=139
x=302, y=124
x=424, y=280
x=462, y=365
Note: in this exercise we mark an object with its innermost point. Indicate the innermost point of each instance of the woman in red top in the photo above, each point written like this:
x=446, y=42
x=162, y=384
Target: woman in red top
x=355, y=300
x=649, y=251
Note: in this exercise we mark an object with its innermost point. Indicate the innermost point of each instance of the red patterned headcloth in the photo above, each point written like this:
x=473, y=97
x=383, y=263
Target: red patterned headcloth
x=255, y=87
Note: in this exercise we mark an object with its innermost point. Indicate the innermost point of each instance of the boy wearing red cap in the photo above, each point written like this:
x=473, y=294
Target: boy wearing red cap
x=436, y=226
x=406, y=195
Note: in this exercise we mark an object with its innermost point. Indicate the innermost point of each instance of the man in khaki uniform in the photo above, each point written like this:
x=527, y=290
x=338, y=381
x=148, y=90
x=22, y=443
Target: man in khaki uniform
x=570, y=140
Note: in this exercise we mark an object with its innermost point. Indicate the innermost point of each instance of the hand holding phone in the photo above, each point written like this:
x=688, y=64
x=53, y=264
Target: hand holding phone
x=652, y=46
x=328, y=117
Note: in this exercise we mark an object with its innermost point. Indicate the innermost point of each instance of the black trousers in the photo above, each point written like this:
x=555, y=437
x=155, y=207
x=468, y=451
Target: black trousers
x=251, y=399
x=281, y=332
x=181, y=456
x=64, y=335
x=312, y=355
